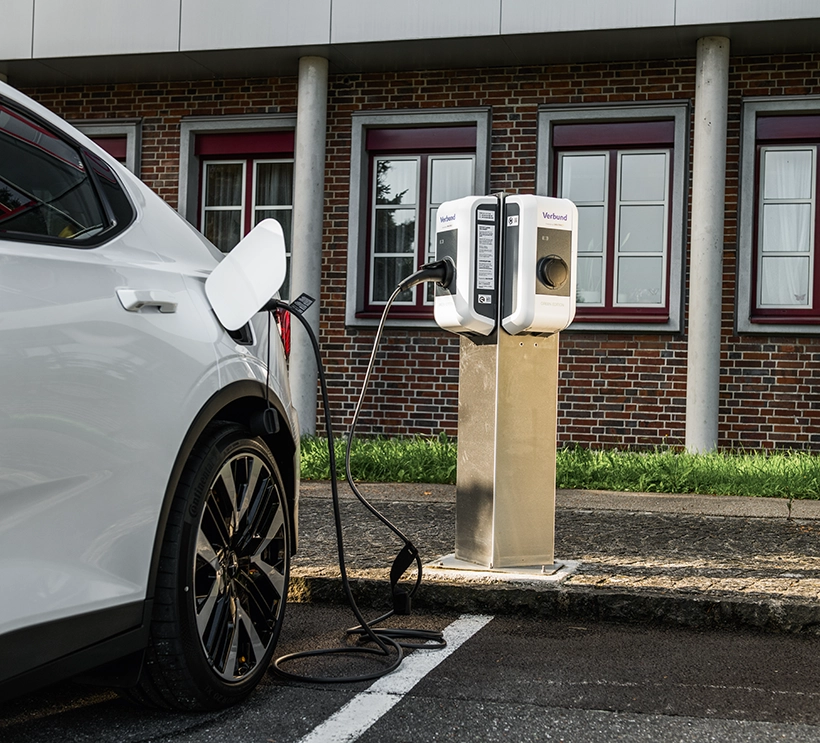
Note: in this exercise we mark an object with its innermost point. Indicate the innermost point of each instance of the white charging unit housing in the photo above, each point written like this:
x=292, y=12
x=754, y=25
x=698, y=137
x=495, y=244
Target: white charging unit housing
x=540, y=264
x=467, y=232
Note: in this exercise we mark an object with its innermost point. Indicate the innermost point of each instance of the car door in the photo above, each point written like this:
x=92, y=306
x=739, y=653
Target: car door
x=105, y=357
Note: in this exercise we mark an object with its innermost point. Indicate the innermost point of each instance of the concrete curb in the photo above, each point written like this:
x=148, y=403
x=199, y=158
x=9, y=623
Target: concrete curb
x=579, y=604
x=678, y=560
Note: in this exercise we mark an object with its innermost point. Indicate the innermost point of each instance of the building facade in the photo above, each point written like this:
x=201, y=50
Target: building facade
x=686, y=132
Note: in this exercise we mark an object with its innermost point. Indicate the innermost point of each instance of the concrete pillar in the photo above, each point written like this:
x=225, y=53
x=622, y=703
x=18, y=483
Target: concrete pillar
x=308, y=223
x=706, y=255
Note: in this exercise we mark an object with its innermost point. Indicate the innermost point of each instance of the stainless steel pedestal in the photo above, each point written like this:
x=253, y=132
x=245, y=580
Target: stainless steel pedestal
x=505, y=494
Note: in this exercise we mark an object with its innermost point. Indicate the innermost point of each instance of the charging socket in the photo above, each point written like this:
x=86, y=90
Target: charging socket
x=540, y=264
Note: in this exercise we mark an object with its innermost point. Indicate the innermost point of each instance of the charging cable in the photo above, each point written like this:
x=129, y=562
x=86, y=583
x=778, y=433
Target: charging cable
x=387, y=641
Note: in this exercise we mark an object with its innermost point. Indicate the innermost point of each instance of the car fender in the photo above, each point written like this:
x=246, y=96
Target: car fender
x=236, y=402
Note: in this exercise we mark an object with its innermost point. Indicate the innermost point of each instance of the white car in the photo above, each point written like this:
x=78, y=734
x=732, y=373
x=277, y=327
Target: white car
x=149, y=458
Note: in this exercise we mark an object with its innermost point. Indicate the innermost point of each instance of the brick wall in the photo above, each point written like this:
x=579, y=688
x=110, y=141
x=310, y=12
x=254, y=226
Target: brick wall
x=767, y=396
x=616, y=389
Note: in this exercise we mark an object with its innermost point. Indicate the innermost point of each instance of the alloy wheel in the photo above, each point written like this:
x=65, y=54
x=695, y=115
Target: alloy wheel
x=240, y=566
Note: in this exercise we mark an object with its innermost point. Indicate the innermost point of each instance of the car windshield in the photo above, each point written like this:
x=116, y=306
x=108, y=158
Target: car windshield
x=45, y=187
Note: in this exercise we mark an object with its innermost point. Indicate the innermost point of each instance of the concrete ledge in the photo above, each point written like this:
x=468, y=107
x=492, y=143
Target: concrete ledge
x=679, y=560
x=580, y=604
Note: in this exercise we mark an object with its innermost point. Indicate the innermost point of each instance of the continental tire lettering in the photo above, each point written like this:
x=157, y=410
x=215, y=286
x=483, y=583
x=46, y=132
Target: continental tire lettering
x=199, y=494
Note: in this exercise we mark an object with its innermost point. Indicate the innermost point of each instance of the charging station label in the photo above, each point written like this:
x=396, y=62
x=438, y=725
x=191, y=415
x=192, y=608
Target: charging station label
x=485, y=273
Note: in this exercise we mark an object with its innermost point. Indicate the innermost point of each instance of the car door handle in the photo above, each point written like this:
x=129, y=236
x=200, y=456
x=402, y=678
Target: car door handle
x=134, y=300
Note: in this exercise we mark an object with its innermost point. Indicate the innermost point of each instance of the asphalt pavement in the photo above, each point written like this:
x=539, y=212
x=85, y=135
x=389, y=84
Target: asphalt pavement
x=682, y=560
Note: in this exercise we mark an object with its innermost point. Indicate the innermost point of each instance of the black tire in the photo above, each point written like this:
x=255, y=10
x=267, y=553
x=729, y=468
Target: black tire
x=223, y=575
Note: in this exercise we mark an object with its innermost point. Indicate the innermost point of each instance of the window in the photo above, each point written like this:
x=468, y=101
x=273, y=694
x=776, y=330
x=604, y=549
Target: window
x=404, y=165
x=240, y=189
x=406, y=191
x=785, y=234
x=120, y=138
x=622, y=192
x=778, y=278
x=51, y=190
x=234, y=172
x=623, y=170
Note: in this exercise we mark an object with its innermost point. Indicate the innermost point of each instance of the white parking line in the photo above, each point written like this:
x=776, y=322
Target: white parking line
x=368, y=706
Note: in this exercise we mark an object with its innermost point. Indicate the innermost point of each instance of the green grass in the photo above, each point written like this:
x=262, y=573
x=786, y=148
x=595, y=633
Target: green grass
x=418, y=459
x=777, y=475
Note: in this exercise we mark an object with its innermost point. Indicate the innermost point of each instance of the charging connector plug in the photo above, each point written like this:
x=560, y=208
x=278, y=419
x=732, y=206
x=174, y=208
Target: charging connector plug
x=442, y=272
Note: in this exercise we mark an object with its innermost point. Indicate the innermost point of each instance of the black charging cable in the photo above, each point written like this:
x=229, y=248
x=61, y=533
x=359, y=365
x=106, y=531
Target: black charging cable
x=387, y=641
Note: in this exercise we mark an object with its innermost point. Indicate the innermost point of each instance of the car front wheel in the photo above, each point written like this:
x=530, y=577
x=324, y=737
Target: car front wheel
x=223, y=576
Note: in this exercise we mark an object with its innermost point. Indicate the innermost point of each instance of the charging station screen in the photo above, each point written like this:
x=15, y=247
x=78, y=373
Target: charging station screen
x=485, y=278
x=485, y=300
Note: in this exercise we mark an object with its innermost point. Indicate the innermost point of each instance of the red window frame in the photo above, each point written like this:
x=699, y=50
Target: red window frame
x=247, y=146
x=615, y=138
x=773, y=131
x=423, y=143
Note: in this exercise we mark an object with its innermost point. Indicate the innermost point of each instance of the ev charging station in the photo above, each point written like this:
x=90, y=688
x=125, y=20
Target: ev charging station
x=514, y=289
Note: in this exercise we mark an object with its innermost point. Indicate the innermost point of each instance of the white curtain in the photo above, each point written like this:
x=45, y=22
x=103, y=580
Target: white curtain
x=786, y=243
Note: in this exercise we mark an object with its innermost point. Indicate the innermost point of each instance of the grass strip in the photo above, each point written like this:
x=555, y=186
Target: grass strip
x=420, y=459
x=412, y=459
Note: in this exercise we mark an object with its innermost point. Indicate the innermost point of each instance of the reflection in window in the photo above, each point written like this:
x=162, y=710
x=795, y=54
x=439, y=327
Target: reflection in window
x=641, y=227
x=584, y=181
x=622, y=231
x=394, y=228
x=404, y=203
x=450, y=178
x=410, y=172
x=46, y=188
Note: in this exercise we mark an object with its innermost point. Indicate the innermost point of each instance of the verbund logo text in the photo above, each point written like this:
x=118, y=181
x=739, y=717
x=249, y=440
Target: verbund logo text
x=446, y=218
x=555, y=217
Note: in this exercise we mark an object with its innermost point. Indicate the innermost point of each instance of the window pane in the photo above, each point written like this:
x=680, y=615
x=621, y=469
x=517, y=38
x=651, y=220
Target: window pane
x=590, y=229
x=283, y=216
x=784, y=282
x=643, y=177
x=274, y=184
x=387, y=273
x=640, y=280
x=450, y=179
x=583, y=177
x=641, y=228
x=395, y=231
x=223, y=184
x=590, y=280
x=223, y=228
x=787, y=174
x=787, y=227
x=45, y=189
x=396, y=181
